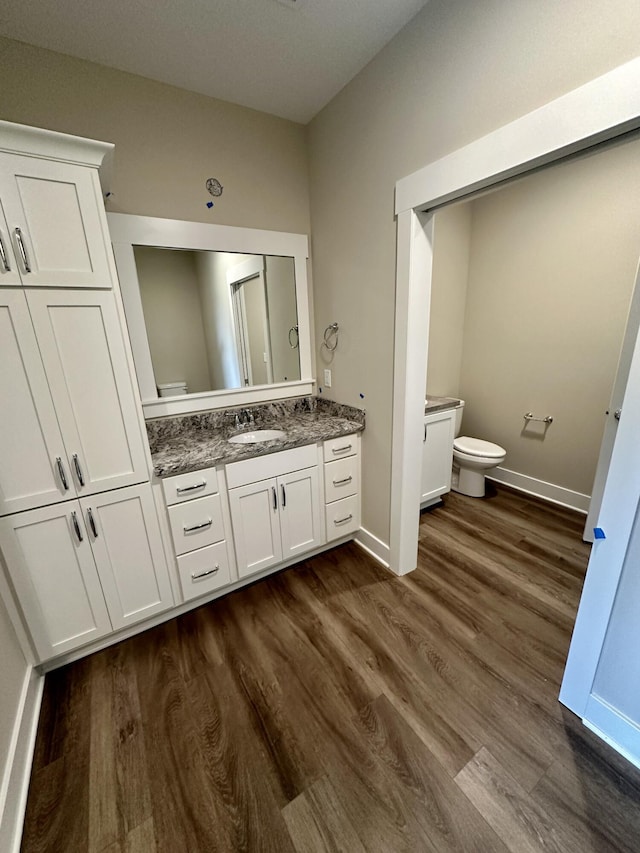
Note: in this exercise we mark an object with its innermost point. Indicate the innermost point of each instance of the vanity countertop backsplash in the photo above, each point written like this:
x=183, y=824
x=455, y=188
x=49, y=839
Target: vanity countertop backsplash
x=190, y=442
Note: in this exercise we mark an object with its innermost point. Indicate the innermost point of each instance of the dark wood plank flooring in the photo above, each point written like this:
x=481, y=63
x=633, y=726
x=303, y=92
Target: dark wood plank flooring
x=334, y=707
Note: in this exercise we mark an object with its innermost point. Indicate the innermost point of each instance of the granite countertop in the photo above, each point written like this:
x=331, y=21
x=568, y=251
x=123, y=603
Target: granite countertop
x=438, y=404
x=191, y=442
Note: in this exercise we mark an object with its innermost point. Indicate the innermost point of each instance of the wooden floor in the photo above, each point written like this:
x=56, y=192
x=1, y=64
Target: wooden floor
x=335, y=707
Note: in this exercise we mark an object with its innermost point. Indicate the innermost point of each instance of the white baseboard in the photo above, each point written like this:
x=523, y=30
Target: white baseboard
x=541, y=489
x=378, y=549
x=19, y=771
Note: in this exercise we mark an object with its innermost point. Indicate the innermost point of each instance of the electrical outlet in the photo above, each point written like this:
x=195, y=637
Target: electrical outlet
x=327, y=378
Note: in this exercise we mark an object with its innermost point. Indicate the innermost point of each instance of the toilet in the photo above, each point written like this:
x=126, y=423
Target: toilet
x=472, y=459
x=172, y=389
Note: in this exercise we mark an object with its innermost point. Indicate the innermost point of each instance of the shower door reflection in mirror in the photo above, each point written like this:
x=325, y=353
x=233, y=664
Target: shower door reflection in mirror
x=219, y=320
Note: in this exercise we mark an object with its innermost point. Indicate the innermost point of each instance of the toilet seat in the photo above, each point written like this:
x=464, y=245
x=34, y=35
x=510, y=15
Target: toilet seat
x=478, y=447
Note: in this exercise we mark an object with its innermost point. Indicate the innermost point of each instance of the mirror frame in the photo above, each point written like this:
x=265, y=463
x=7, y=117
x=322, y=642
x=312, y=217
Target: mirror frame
x=128, y=231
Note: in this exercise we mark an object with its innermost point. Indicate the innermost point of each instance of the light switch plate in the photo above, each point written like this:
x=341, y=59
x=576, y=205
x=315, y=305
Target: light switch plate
x=327, y=378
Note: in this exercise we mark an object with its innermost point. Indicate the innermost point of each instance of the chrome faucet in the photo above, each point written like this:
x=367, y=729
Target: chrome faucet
x=244, y=419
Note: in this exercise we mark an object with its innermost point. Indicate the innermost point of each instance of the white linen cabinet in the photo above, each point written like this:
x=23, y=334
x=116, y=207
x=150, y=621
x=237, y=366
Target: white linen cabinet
x=79, y=536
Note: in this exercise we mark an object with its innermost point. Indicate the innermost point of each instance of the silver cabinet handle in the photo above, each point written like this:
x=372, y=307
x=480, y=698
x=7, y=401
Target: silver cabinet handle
x=201, y=526
x=182, y=489
x=63, y=476
x=195, y=576
x=23, y=250
x=76, y=465
x=343, y=520
x=3, y=257
x=92, y=522
x=275, y=498
x=76, y=527
x=425, y=433
x=284, y=497
x=343, y=482
x=341, y=449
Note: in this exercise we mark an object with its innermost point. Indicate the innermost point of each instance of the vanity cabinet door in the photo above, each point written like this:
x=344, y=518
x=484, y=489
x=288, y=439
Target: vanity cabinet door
x=30, y=437
x=122, y=527
x=300, y=513
x=256, y=527
x=437, y=454
x=55, y=218
x=54, y=575
x=84, y=359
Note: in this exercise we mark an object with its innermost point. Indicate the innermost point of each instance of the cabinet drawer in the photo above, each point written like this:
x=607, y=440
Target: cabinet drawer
x=341, y=478
x=272, y=465
x=196, y=523
x=204, y=570
x=336, y=448
x=343, y=517
x=183, y=487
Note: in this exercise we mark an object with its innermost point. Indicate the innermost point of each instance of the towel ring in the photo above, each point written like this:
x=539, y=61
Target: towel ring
x=331, y=337
x=294, y=330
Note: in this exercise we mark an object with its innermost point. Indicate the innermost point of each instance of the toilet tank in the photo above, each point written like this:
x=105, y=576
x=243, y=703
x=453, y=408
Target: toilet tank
x=459, y=411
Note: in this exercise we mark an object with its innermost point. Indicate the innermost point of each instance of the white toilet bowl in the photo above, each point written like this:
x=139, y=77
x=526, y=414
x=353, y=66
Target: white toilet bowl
x=472, y=458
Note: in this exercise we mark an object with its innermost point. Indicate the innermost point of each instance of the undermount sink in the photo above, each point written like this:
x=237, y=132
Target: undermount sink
x=256, y=436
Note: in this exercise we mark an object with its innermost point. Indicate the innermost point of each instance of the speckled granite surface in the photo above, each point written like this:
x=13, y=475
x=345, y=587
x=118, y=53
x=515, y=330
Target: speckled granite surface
x=190, y=442
x=438, y=404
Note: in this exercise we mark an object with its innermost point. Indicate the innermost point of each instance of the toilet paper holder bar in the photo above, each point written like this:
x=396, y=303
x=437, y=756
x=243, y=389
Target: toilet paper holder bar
x=529, y=416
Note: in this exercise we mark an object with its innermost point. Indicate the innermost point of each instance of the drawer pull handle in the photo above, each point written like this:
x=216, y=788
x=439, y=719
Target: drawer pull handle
x=202, y=526
x=275, y=499
x=76, y=527
x=76, y=465
x=196, y=576
x=4, y=258
x=343, y=520
x=23, y=250
x=284, y=497
x=343, y=482
x=182, y=489
x=342, y=449
x=92, y=523
x=63, y=477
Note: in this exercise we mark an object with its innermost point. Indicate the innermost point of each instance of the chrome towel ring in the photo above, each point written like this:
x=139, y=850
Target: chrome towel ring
x=331, y=337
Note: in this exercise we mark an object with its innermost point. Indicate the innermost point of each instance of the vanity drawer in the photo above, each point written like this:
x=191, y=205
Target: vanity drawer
x=341, y=478
x=196, y=523
x=342, y=517
x=184, y=487
x=336, y=448
x=271, y=465
x=204, y=570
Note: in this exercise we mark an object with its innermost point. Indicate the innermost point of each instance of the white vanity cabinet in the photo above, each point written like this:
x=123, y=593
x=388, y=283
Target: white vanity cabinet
x=342, y=485
x=69, y=424
x=83, y=568
x=437, y=455
x=53, y=229
x=275, y=504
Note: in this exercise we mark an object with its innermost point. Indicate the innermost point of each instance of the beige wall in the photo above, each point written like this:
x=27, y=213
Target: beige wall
x=281, y=296
x=173, y=316
x=13, y=670
x=168, y=141
x=459, y=70
x=551, y=270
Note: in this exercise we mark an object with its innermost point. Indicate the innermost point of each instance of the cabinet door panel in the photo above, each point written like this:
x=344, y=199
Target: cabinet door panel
x=30, y=437
x=300, y=515
x=256, y=530
x=437, y=454
x=125, y=536
x=84, y=357
x=57, y=207
x=55, y=578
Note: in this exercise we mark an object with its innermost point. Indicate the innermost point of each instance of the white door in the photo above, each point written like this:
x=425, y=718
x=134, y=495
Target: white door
x=49, y=559
x=256, y=526
x=123, y=529
x=300, y=515
x=9, y=273
x=437, y=454
x=34, y=469
x=84, y=357
x=55, y=216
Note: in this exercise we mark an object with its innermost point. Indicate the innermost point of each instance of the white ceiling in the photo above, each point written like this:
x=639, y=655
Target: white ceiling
x=259, y=53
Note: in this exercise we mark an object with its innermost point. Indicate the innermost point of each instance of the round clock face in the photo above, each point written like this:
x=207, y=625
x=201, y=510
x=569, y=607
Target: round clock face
x=214, y=186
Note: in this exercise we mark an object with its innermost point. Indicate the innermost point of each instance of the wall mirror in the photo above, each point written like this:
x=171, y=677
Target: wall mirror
x=217, y=316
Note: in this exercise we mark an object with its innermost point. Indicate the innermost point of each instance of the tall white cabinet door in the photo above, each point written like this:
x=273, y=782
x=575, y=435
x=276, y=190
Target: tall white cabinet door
x=84, y=358
x=123, y=529
x=30, y=438
x=256, y=529
x=300, y=515
x=55, y=216
x=9, y=273
x=55, y=579
x=437, y=454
